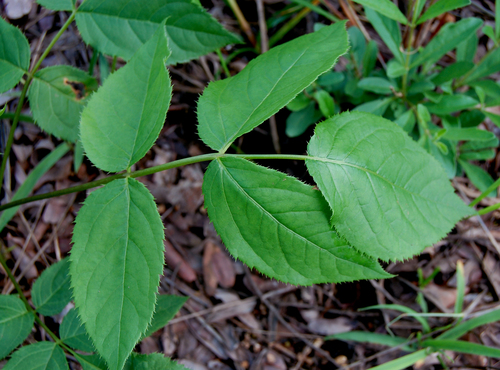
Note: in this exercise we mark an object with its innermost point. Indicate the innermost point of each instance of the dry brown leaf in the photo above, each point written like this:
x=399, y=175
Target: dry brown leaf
x=175, y=261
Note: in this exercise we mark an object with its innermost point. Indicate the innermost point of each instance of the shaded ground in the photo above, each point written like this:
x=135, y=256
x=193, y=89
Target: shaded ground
x=237, y=319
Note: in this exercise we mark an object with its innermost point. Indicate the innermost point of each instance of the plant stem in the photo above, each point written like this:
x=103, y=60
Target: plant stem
x=146, y=172
x=22, y=117
x=223, y=63
x=19, y=107
x=485, y=193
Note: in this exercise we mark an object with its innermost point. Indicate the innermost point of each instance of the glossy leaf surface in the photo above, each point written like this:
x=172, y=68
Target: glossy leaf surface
x=14, y=55
x=38, y=356
x=73, y=333
x=116, y=262
x=279, y=225
x=57, y=96
x=15, y=323
x=390, y=199
x=124, y=118
x=121, y=27
x=266, y=84
x=51, y=291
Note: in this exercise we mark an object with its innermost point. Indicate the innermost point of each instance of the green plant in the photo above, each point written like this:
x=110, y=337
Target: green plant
x=381, y=196
x=439, y=107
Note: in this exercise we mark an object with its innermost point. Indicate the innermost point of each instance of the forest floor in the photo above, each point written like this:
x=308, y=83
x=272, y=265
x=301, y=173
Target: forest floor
x=236, y=318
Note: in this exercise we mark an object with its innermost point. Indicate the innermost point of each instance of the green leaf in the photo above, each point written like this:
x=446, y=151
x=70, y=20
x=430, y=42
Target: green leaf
x=481, y=155
x=279, y=225
x=479, y=177
x=453, y=71
x=495, y=118
x=395, y=69
x=51, y=291
x=388, y=30
x=489, y=65
x=300, y=102
x=420, y=87
x=464, y=327
x=266, y=84
x=330, y=79
x=370, y=58
x=152, y=361
x=57, y=96
x=73, y=333
x=120, y=28
x=57, y=5
x=377, y=85
x=29, y=183
x=462, y=347
x=390, y=199
x=478, y=145
x=404, y=309
x=497, y=19
x=14, y=55
x=123, y=119
x=368, y=337
x=38, y=356
x=459, y=302
x=447, y=39
x=16, y=323
x=452, y=103
x=116, y=261
x=166, y=308
x=406, y=121
x=377, y=107
x=386, y=7
x=91, y=362
x=325, y=103
x=490, y=32
x=468, y=134
x=78, y=155
x=466, y=50
x=298, y=122
x=358, y=46
x=402, y=362
x=441, y=7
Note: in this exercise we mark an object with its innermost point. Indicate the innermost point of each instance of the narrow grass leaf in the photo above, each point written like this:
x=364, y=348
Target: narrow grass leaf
x=73, y=333
x=462, y=347
x=16, y=323
x=464, y=327
x=388, y=30
x=58, y=5
x=41, y=355
x=279, y=225
x=57, y=96
x=404, y=309
x=51, y=291
x=116, y=262
x=123, y=119
x=266, y=84
x=369, y=337
x=14, y=55
x=390, y=199
x=386, y=7
x=440, y=7
x=152, y=361
x=446, y=40
x=402, y=362
x=120, y=28
x=166, y=308
x=29, y=183
x=459, y=302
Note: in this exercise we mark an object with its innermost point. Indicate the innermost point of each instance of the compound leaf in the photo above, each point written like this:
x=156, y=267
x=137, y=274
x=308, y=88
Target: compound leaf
x=15, y=323
x=266, y=84
x=58, y=5
x=386, y=7
x=51, y=291
x=73, y=333
x=124, y=118
x=116, y=261
x=38, y=356
x=448, y=38
x=279, y=225
x=441, y=7
x=14, y=55
x=166, y=308
x=57, y=96
x=120, y=28
x=390, y=199
x=153, y=361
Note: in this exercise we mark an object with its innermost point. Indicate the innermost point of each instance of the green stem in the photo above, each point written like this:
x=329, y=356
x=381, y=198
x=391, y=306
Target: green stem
x=17, y=113
x=146, y=172
x=223, y=63
x=489, y=209
x=485, y=193
x=22, y=117
x=113, y=64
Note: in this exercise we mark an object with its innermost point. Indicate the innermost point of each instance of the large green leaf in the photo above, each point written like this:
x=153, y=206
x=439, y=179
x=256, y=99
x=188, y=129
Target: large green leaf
x=116, y=262
x=121, y=27
x=448, y=38
x=279, y=225
x=124, y=118
x=91, y=362
x=166, y=308
x=390, y=199
x=152, y=361
x=388, y=30
x=15, y=323
x=51, y=291
x=29, y=183
x=57, y=96
x=440, y=7
x=73, y=333
x=57, y=4
x=266, y=84
x=386, y=7
x=14, y=55
x=38, y=356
